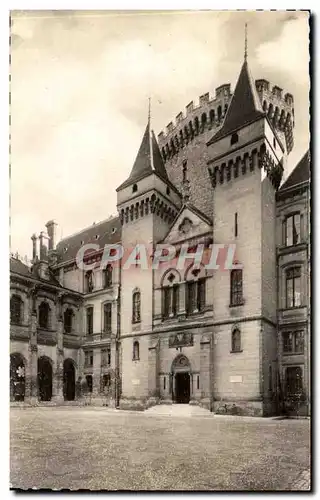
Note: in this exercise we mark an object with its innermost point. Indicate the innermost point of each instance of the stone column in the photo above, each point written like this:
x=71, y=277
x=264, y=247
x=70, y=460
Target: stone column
x=31, y=370
x=96, y=376
x=153, y=374
x=205, y=370
x=57, y=382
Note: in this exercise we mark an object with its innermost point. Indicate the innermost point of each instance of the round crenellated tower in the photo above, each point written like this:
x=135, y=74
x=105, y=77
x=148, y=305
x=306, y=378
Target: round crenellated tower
x=183, y=143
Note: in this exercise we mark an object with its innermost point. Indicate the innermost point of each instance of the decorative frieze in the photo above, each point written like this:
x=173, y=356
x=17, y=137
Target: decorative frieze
x=184, y=339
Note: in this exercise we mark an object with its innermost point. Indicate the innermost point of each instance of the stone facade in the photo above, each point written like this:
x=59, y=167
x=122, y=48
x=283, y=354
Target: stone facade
x=140, y=337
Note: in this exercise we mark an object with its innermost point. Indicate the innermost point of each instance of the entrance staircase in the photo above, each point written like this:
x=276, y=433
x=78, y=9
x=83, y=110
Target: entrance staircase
x=178, y=410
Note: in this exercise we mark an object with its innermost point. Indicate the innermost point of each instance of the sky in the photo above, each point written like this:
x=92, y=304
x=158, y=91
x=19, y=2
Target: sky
x=80, y=83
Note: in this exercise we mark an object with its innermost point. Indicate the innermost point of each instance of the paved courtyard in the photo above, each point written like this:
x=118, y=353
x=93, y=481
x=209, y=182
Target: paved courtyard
x=88, y=448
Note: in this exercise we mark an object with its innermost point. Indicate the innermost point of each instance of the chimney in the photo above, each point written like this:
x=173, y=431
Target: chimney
x=44, y=246
x=52, y=233
x=35, y=254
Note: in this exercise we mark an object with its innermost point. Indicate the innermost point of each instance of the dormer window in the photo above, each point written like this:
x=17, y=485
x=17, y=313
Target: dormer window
x=234, y=139
x=134, y=188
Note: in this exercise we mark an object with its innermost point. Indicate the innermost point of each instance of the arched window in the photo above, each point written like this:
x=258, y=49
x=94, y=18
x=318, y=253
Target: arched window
x=68, y=320
x=107, y=276
x=134, y=188
x=44, y=314
x=212, y=117
x=203, y=121
x=236, y=340
x=234, y=138
x=88, y=281
x=196, y=125
x=136, y=353
x=136, y=307
x=236, y=296
x=16, y=309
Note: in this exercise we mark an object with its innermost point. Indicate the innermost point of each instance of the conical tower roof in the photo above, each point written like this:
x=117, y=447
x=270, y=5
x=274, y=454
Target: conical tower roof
x=148, y=160
x=245, y=106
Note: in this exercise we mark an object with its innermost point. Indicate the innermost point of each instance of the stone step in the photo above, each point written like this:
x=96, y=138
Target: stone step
x=181, y=410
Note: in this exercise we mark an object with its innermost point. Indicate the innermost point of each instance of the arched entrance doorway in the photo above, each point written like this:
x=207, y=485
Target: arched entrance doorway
x=44, y=379
x=17, y=377
x=69, y=380
x=181, y=379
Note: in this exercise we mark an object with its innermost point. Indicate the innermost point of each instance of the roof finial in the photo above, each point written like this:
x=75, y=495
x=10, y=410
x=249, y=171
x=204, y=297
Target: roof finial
x=149, y=111
x=245, y=42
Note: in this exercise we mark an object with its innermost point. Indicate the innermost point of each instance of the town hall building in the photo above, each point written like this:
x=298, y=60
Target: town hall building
x=232, y=341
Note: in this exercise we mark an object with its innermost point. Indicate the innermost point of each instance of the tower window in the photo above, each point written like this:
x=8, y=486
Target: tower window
x=134, y=188
x=136, y=353
x=236, y=297
x=136, y=307
x=44, y=315
x=236, y=341
x=184, y=171
x=16, y=306
x=168, y=191
x=234, y=138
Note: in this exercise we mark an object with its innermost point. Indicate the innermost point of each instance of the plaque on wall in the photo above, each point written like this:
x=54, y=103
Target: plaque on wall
x=181, y=340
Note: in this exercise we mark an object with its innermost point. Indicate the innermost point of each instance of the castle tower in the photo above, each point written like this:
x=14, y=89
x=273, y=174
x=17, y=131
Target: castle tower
x=147, y=203
x=246, y=166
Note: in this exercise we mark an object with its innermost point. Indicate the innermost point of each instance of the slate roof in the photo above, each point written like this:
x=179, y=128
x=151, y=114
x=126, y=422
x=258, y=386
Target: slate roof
x=16, y=266
x=102, y=233
x=300, y=173
x=148, y=160
x=245, y=106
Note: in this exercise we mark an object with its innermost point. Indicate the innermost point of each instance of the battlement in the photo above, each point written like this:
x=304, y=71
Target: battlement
x=279, y=108
x=206, y=114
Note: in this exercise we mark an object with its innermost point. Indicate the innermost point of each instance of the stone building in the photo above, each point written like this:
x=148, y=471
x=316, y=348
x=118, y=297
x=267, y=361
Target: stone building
x=229, y=340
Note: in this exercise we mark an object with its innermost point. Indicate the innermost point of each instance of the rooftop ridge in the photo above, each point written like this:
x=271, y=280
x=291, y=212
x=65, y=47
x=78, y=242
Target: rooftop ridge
x=109, y=219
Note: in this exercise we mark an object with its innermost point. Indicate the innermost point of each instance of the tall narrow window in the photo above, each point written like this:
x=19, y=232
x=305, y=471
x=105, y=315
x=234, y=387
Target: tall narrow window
x=234, y=139
x=198, y=382
x=236, y=296
x=236, y=340
x=293, y=287
x=293, y=380
x=136, y=351
x=166, y=302
x=89, y=382
x=201, y=298
x=89, y=320
x=107, y=317
x=184, y=171
x=16, y=307
x=164, y=383
x=270, y=378
x=175, y=299
x=68, y=320
x=88, y=359
x=136, y=307
x=236, y=224
x=191, y=297
x=292, y=230
x=106, y=357
x=88, y=280
x=44, y=312
x=107, y=276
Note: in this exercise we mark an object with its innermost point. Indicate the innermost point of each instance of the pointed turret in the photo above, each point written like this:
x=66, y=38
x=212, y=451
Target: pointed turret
x=245, y=106
x=148, y=160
